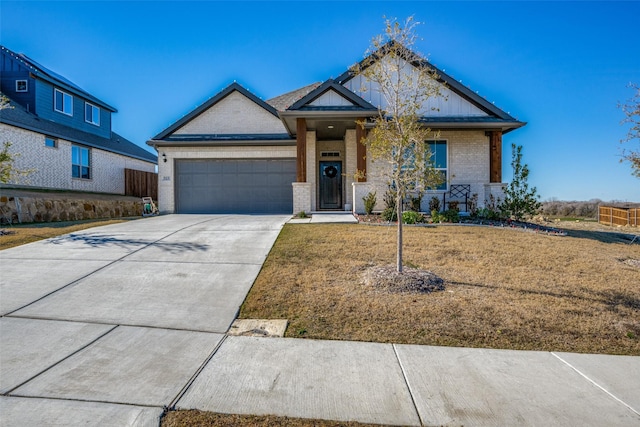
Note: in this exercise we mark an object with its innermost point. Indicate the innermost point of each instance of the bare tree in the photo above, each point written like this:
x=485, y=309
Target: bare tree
x=632, y=112
x=405, y=82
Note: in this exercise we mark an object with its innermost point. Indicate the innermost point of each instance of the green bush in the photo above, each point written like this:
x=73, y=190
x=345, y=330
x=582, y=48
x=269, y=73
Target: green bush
x=389, y=214
x=412, y=217
x=450, y=215
x=369, y=202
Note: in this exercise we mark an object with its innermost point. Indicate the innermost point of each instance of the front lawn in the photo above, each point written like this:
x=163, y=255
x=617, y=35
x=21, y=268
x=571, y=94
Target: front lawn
x=504, y=288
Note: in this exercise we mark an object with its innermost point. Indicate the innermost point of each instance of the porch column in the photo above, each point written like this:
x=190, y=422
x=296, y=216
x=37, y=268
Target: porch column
x=301, y=145
x=361, y=151
x=495, y=159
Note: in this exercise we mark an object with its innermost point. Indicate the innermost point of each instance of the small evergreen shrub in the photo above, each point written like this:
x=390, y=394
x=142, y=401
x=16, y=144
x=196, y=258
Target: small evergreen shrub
x=370, y=201
x=434, y=204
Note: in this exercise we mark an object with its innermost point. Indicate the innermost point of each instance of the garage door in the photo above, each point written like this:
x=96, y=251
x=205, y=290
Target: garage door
x=235, y=186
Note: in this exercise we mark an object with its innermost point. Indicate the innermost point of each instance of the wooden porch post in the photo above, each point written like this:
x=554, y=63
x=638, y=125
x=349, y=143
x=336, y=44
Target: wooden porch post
x=495, y=159
x=361, y=151
x=301, y=145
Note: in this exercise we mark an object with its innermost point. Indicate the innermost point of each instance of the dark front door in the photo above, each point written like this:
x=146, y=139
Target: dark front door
x=330, y=185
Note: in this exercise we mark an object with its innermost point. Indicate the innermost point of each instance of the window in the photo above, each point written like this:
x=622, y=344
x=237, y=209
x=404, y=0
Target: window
x=63, y=102
x=91, y=114
x=50, y=142
x=21, y=86
x=438, y=158
x=80, y=162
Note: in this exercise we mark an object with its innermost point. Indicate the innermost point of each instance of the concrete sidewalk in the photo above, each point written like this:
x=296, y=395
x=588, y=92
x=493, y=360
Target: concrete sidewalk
x=109, y=325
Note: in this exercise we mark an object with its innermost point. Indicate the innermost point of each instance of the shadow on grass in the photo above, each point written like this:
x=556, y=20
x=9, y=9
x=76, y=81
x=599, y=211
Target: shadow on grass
x=612, y=299
x=603, y=236
x=106, y=240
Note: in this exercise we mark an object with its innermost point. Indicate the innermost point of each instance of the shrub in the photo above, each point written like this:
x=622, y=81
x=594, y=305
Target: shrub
x=389, y=199
x=451, y=215
x=519, y=199
x=434, y=204
x=415, y=203
x=389, y=214
x=472, y=204
x=412, y=217
x=453, y=206
x=370, y=201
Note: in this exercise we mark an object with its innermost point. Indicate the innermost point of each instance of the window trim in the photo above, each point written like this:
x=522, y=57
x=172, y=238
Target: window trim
x=55, y=141
x=80, y=166
x=95, y=111
x=445, y=169
x=26, y=85
x=55, y=98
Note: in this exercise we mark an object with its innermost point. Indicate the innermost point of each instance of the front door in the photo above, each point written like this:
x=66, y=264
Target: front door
x=330, y=185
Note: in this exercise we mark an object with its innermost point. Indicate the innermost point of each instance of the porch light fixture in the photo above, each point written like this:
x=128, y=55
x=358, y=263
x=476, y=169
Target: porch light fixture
x=330, y=127
x=164, y=157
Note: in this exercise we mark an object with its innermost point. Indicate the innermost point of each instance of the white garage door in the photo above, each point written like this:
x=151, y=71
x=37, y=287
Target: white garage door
x=235, y=186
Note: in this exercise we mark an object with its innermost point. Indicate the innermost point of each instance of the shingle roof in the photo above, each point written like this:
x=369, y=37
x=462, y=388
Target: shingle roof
x=54, y=78
x=18, y=116
x=286, y=100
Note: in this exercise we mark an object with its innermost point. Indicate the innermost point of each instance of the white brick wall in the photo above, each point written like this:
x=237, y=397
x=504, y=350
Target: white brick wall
x=52, y=166
x=301, y=197
x=468, y=163
x=235, y=114
x=166, y=173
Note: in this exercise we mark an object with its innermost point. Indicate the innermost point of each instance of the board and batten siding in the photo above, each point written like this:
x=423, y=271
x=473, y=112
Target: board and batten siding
x=45, y=108
x=448, y=104
x=10, y=71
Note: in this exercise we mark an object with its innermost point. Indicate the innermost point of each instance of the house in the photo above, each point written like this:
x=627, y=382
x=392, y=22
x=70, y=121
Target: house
x=62, y=133
x=300, y=151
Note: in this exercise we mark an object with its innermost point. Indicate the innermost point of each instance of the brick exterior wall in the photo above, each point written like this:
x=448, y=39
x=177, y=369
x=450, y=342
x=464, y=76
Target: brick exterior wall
x=468, y=163
x=166, y=172
x=52, y=166
x=235, y=114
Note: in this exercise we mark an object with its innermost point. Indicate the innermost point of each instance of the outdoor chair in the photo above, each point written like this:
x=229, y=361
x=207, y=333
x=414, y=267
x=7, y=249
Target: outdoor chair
x=458, y=193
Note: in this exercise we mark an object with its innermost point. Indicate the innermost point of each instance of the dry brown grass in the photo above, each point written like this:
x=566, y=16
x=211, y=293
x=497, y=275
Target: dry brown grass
x=195, y=418
x=504, y=288
x=27, y=233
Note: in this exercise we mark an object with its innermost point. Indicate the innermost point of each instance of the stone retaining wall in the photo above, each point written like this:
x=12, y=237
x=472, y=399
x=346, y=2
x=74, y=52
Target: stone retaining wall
x=17, y=210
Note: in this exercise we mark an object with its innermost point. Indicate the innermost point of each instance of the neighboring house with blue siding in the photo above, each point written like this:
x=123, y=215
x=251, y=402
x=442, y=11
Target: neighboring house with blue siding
x=62, y=132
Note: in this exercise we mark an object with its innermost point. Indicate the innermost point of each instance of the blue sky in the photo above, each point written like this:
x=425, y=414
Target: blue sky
x=563, y=67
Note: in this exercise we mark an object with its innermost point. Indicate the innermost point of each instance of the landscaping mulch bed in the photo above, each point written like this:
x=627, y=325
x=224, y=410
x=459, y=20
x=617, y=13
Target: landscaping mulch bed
x=388, y=279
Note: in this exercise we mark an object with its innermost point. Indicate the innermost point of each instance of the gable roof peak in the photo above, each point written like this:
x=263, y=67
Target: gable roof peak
x=233, y=87
x=331, y=85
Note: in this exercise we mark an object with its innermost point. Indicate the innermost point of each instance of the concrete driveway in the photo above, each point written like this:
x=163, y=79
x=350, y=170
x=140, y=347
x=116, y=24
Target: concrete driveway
x=107, y=326
x=110, y=324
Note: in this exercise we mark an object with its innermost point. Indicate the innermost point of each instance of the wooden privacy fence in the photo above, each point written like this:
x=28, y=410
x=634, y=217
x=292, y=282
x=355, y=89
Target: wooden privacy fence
x=140, y=183
x=610, y=215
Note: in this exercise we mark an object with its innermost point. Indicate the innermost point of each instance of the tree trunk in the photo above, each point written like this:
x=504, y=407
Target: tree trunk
x=399, y=251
